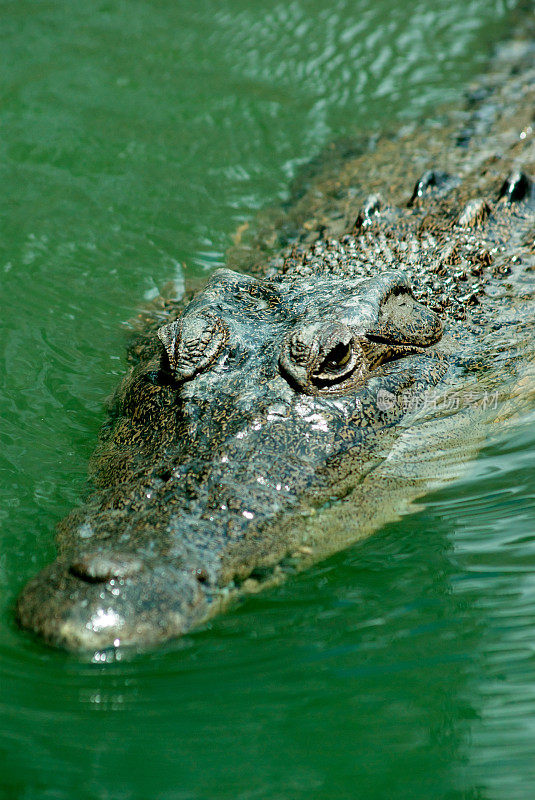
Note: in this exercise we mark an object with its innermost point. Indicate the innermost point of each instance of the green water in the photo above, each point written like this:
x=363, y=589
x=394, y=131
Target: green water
x=134, y=138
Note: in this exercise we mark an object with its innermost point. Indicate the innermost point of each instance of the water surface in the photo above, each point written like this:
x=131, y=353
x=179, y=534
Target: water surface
x=135, y=138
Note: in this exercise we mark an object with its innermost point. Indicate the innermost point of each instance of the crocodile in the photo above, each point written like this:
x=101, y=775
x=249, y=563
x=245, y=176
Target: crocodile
x=283, y=412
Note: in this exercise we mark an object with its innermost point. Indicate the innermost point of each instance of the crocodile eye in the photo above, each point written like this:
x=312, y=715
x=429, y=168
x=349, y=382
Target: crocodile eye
x=320, y=356
x=192, y=343
x=336, y=360
x=404, y=321
x=403, y=328
x=338, y=355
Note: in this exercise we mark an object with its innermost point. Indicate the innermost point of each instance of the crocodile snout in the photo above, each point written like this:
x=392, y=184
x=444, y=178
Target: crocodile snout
x=109, y=599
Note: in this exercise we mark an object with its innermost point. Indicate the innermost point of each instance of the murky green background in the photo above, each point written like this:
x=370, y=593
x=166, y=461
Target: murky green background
x=134, y=138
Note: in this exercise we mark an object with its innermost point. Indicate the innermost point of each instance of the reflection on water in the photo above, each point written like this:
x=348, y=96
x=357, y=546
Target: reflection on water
x=495, y=545
x=135, y=139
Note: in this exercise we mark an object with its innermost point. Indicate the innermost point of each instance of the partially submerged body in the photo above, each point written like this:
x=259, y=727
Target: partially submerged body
x=272, y=420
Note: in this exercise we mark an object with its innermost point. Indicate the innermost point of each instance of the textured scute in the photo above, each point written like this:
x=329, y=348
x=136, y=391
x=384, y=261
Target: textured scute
x=265, y=419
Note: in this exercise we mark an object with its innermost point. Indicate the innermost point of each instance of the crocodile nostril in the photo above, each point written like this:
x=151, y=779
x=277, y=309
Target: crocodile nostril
x=100, y=567
x=200, y=574
x=517, y=186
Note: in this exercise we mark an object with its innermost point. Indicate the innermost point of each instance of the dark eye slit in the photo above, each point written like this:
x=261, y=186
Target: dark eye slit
x=372, y=337
x=336, y=358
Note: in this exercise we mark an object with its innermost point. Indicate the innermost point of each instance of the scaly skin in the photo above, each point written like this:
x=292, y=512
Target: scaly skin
x=264, y=407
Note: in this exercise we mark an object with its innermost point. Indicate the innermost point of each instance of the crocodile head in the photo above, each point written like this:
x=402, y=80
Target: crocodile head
x=262, y=398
